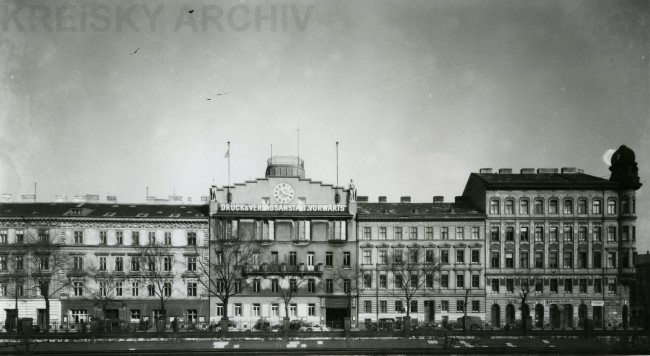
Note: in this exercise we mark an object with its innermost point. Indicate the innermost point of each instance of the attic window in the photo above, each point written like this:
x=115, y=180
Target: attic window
x=109, y=214
x=74, y=212
x=174, y=215
x=142, y=215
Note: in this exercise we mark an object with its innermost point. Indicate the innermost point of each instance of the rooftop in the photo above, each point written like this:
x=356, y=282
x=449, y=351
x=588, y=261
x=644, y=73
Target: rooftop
x=102, y=210
x=390, y=211
x=544, y=180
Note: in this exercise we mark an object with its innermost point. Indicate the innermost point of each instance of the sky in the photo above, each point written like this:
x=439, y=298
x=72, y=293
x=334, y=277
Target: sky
x=111, y=97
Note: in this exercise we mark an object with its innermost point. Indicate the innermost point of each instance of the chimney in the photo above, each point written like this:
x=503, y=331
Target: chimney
x=111, y=199
x=547, y=170
x=60, y=198
x=5, y=198
x=569, y=170
x=92, y=197
x=151, y=199
x=175, y=199
x=527, y=171
x=362, y=198
x=79, y=198
x=28, y=198
x=205, y=199
x=405, y=199
x=438, y=199
x=505, y=170
x=485, y=171
x=459, y=199
x=382, y=199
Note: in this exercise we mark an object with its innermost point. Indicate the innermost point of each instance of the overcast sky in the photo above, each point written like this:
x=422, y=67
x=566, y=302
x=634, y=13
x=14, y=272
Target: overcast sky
x=107, y=98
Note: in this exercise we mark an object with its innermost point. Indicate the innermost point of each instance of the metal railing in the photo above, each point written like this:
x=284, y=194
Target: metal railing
x=287, y=160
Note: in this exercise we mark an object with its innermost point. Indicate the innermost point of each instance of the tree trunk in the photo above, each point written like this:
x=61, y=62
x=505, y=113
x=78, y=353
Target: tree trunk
x=465, y=309
x=47, y=314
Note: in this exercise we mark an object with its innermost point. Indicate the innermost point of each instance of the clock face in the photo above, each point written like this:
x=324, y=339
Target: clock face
x=283, y=193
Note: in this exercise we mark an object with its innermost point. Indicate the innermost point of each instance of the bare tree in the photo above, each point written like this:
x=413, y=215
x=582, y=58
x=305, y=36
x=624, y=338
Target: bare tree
x=223, y=271
x=102, y=287
x=289, y=284
x=49, y=267
x=410, y=274
x=351, y=280
x=157, y=262
x=14, y=282
x=523, y=290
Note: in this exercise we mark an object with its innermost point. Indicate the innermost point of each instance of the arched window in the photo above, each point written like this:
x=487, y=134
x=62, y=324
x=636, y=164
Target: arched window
x=611, y=206
x=539, y=206
x=552, y=206
x=597, y=207
x=510, y=206
x=523, y=207
x=494, y=206
x=625, y=206
x=582, y=206
x=568, y=206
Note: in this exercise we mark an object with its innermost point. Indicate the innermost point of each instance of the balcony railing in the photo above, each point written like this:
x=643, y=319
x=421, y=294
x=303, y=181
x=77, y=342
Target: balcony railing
x=286, y=160
x=284, y=269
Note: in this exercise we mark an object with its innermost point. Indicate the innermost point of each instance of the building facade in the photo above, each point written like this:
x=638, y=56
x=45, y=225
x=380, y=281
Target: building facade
x=560, y=244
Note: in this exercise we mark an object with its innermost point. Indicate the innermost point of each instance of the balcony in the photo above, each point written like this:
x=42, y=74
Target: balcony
x=286, y=160
x=266, y=269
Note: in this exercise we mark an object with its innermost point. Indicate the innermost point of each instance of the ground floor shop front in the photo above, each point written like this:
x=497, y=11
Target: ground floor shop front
x=28, y=308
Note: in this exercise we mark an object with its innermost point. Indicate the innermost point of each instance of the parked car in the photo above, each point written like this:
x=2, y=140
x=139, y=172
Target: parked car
x=471, y=322
x=262, y=325
x=387, y=324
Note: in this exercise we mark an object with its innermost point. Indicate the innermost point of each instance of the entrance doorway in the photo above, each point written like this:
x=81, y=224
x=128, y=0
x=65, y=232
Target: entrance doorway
x=510, y=314
x=598, y=316
x=567, y=314
x=111, y=314
x=41, y=319
x=625, y=316
x=496, y=316
x=334, y=317
x=582, y=315
x=429, y=310
x=539, y=315
x=10, y=319
x=554, y=315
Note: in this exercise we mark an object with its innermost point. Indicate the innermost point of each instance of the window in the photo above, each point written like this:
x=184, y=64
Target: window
x=293, y=309
x=598, y=285
x=413, y=235
x=510, y=285
x=625, y=206
x=118, y=289
x=494, y=233
x=510, y=207
x=346, y=259
x=397, y=256
x=382, y=281
x=523, y=260
x=3, y=263
x=554, y=288
x=78, y=289
x=494, y=206
x=367, y=258
x=78, y=237
x=428, y=280
x=611, y=285
x=611, y=259
x=444, y=231
x=523, y=207
x=135, y=238
x=275, y=286
x=167, y=289
x=398, y=283
x=568, y=234
x=238, y=309
x=367, y=233
x=597, y=233
x=553, y=234
x=256, y=310
x=382, y=233
x=475, y=233
x=191, y=264
x=398, y=232
x=329, y=286
x=625, y=233
x=219, y=309
x=523, y=234
x=476, y=256
x=167, y=264
x=582, y=206
x=598, y=258
x=399, y=308
x=293, y=259
x=582, y=285
x=119, y=264
x=582, y=233
x=192, y=316
x=20, y=263
x=582, y=259
x=539, y=206
x=168, y=238
x=552, y=259
x=476, y=306
x=311, y=286
x=510, y=233
x=119, y=237
x=367, y=306
x=415, y=281
x=495, y=285
x=444, y=306
x=568, y=285
x=383, y=306
x=460, y=281
x=293, y=285
x=3, y=237
x=191, y=238
x=495, y=263
x=460, y=256
x=429, y=233
x=414, y=255
x=103, y=237
x=611, y=206
x=192, y=289
x=625, y=259
x=328, y=259
x=539, y=285
x=311, y=309
x=135, y=315
x=20, y=236
x=257, y=285
x=135, y=289
x=568, y=259
x=476, y=281
x=568, y=206
x=78, y=263
x=152, y=237
x=275, y=310
x=414, y=306
x=596, y=207
x=135, y=264
x=444, y=256
x=444, y=281
x=237, y=285
x=460, y=233
x=367, y=281
x=539, y=234
x=383, y=257
x=611, y=234
x=552, y=206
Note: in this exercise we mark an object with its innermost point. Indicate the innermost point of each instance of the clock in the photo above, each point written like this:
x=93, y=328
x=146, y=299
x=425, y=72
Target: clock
x=283, y=193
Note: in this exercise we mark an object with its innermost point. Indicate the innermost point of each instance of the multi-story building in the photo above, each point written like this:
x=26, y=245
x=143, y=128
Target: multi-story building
x=564, y=238
x=303, y=238
x=107, y=273
x=445, y=242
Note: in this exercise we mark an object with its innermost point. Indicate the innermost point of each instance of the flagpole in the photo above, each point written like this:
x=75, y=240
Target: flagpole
x=229, y=197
